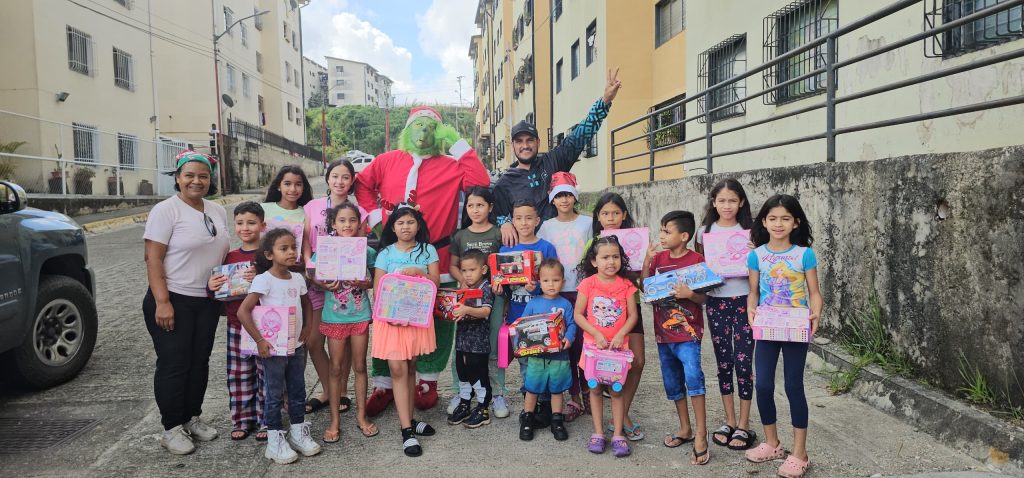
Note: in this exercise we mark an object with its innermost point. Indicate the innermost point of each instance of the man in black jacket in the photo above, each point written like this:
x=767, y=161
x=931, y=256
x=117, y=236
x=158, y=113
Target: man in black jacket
x=530, y=175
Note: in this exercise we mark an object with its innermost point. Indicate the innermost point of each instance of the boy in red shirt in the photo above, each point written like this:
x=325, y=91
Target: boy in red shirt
x=245, y=379
x=678, y=329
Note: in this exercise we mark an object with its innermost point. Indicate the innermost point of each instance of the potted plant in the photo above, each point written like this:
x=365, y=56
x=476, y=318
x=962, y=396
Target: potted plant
x=83, y=180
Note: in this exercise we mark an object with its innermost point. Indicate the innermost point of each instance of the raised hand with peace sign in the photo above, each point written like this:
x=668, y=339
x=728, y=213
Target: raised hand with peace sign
x=611, y=87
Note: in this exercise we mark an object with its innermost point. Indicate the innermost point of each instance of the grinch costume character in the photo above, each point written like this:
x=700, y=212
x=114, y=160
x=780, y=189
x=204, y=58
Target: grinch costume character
x=420, y=174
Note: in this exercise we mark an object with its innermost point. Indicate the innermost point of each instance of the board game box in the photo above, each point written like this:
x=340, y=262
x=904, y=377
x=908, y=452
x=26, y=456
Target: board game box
x=405, y=299
x=726, y=252
x=278, y=325
x=518, y=267
x=782, y=324
x=537, y=334
x=340, y=258
x=634, y=241
x=236, y=288
x=447, y=299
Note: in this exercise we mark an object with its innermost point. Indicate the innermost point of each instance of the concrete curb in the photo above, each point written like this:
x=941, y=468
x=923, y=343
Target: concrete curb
x=994, y=442
x=117, y=222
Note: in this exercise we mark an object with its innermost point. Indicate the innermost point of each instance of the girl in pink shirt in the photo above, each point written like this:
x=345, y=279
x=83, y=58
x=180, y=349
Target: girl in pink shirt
x=606, y=310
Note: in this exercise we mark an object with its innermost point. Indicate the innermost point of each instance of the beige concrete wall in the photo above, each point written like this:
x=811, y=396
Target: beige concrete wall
x=282, y=51
x=311, y=76
x=709, y=23
x=577, y=95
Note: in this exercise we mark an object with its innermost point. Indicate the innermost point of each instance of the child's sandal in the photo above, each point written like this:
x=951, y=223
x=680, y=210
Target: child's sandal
x=747, y=437
x=794, y=467
x=261, y=434
x=725, y=433
x=765, y=452
x=620, y=446
x=597, y=443
x=332, y=436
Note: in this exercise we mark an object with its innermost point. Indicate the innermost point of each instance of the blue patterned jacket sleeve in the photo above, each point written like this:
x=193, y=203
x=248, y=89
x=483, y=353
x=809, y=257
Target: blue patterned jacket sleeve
x=568, y=152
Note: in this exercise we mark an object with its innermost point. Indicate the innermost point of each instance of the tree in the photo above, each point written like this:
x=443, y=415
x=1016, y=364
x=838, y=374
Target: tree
x=317, y=99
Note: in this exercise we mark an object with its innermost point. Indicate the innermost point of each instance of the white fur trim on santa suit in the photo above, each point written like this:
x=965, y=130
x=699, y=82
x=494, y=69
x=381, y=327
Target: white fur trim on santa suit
x=563, y=188
x=422, y=112
x=427, y=377
x=382, y=382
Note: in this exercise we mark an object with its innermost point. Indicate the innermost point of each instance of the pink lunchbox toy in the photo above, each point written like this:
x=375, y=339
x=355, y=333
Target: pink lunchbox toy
x=606, y=366
x=782, y=324
x=402, y=299
x=504, y=357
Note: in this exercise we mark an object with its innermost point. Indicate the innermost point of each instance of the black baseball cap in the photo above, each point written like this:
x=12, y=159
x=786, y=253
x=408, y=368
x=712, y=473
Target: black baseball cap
x=524, y=127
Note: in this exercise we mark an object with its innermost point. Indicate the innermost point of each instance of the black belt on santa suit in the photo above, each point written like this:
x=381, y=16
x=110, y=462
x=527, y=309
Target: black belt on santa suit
x=442, y=243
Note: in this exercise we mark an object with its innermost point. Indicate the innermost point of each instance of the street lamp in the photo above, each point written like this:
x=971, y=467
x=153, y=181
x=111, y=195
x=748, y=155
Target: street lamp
x=216, y=80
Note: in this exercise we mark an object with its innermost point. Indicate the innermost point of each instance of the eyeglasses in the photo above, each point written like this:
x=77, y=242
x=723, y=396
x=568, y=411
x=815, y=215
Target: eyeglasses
x=210, y=226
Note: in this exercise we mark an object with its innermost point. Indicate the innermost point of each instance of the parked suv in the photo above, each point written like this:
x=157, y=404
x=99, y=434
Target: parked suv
x=48, y=320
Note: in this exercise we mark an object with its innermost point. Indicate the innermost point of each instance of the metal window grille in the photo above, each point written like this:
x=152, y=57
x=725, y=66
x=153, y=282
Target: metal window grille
x=789, y=28
x=557, y=8
x=127, y=151
x=246, y=89
x=80, y=51
x=717, y=64
x=229, y=18
x=124, y=76
x=669, y=20
x=972, y=36
x=243, y=34
x=671, y=134
x=259, y=62
x=558, y=76
x=257, y=20
x=231, y=78
x=591, y=42
x=86, y=140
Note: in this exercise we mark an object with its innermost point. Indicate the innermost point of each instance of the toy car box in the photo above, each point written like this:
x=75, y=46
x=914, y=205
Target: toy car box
x=513, y=268
x=402, y=299
x=444, y=307
x=538, y=334
x=606, y=366
x=698, y=277
x=782, y=324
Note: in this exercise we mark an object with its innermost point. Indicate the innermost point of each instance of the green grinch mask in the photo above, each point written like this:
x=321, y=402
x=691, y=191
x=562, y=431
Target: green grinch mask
x=427, y=137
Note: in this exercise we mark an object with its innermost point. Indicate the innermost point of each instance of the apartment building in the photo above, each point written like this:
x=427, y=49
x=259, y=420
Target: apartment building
x=311, y=76
x=356, y=83
x=728, y=37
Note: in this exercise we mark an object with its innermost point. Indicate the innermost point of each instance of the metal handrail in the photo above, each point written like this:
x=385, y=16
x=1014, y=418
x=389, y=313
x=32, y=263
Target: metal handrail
x=832, y=64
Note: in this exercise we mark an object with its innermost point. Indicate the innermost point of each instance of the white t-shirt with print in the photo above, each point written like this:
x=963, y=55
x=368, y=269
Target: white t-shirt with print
x=281, y=293
x=570, y=241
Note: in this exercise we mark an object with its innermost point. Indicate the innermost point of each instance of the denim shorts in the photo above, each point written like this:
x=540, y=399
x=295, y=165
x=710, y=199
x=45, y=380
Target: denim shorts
x=680, y=369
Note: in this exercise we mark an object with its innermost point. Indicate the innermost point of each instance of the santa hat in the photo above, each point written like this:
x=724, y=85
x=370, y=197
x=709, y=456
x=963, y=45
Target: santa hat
x=422, y=112
x=563, y=182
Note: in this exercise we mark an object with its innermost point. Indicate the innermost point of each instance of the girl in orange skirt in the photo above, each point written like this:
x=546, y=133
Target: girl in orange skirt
x=405, y=249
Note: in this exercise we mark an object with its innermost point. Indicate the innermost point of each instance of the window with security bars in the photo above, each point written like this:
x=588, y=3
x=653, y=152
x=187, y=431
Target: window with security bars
x=717, y=65
x=790, y=28
x=86, y=140
x=80, y=51
x=127, y=151
x=1001, y=27
x=666, y=119
x=668, y=20
x=124, y=76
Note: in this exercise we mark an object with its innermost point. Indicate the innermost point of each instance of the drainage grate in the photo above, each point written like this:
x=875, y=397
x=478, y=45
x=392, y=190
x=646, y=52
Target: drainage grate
x=20, y=435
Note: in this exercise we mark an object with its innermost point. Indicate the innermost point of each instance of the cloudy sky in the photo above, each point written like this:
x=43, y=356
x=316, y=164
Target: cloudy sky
x=422, y=45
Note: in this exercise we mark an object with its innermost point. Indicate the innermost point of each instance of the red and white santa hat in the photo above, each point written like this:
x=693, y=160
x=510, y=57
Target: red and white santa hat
x=563, y=182
x=422, y=112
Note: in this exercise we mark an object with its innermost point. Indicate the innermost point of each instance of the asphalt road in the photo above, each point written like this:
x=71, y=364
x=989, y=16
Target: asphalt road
x=847, y=437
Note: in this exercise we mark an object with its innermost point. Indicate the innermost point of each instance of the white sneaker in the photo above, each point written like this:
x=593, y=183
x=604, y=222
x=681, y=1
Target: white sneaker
x=500, y=406
x=452, y=405
x=278, y=449
x=177, y=442
x=301, y=441
x=199, y=430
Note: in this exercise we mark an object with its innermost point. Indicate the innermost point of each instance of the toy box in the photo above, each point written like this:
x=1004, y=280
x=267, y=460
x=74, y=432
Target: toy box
x=634, y=241
x=340, y=258
x=278, y=325
x=504, y=357
x=236, y=288
x=782, y=324
x=698, y=277
x=444, y=307
x=606, y=366
x=514, y=267
x=538, y=334
x=403, y=299
x=726, y=252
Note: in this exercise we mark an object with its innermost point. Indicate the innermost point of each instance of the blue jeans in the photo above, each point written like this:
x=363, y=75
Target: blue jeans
x=280, y=373
x=680, y=369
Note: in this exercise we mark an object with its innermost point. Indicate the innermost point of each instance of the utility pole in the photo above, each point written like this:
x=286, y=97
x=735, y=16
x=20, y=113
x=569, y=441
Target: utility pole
x=460, y=103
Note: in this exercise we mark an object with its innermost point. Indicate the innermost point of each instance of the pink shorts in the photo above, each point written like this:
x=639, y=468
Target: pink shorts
x=344, y=331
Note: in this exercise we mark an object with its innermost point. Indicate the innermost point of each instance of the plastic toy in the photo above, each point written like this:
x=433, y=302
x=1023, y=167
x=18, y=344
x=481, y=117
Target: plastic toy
x=698, y=277
x=444, y=306
x=782, y=324
x=278, y=325
x=726, y=252
x=634, y=241
x=606, y=366
x=504, y=358
x=236, y=288
x=402, y=299
x=538, y=334
x=340, y=258
x=514, y=267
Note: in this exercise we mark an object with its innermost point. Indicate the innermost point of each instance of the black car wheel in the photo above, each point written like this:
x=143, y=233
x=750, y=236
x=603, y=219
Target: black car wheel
x=62, y=336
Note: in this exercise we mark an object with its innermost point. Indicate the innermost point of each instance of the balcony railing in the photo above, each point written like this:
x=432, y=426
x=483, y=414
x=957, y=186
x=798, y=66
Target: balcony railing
x=830, y=65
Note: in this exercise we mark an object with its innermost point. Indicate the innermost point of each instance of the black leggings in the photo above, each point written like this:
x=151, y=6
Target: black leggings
x=182, y=355
x=472, y=370
x=766, y=358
